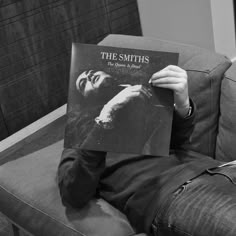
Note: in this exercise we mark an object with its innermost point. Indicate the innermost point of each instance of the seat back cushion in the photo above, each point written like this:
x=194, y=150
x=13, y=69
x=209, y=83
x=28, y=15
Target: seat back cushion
x=226, y=139
x=205, y=71
x=30, y=198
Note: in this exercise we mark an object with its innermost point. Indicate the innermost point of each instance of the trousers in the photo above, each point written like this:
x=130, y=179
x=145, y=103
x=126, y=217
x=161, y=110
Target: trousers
x=203, y=206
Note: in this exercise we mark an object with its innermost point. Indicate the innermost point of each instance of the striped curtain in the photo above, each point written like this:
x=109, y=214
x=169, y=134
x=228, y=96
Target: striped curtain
x=35, y=45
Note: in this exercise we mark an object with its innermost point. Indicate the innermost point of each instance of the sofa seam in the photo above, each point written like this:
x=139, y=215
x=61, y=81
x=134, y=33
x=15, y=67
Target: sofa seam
x=220, y=64
x=210, y=135
x=222, y=151
x=227, y=77
x=218, y=117
x=200, y=71
x=207, y=72
x=35, y=208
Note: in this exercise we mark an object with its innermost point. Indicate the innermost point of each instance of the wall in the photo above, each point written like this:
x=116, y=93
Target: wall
x=224, y=27
x=185, y=21
x=206, y=23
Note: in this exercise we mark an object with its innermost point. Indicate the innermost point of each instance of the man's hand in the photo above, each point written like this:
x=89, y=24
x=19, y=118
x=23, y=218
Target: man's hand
x=174, y=78
x=120, y=100
x=128, y=94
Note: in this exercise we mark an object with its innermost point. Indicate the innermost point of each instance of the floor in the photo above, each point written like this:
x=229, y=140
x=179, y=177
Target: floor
x=5, y=227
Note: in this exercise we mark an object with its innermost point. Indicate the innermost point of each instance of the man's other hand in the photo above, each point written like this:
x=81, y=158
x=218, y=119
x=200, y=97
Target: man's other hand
x=128, y=94
x=174, y=78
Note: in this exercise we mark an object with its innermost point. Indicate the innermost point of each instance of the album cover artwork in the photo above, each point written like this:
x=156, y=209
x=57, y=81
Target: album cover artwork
x=112, y=106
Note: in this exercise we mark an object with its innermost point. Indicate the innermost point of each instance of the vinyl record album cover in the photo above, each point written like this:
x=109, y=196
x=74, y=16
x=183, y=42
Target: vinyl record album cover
x=112, y=107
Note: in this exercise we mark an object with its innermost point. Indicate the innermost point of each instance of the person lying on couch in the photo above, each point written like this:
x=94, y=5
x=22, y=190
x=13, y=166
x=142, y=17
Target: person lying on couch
x=185, y=193
x=113, y=115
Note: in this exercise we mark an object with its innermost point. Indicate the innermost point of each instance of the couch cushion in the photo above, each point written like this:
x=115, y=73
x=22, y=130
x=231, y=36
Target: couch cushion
x=205, y=70
x=226, y=139
x=29, y=196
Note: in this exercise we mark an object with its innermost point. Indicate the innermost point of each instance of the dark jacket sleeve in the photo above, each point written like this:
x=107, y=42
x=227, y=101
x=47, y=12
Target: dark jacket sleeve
x=182, y=128
x=78, y=175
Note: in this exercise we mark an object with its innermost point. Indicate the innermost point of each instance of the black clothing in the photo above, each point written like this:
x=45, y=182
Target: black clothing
x=138, y=185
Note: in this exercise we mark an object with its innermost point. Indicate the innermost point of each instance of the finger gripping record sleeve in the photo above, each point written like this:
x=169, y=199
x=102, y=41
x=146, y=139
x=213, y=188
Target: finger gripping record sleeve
x=111, y=104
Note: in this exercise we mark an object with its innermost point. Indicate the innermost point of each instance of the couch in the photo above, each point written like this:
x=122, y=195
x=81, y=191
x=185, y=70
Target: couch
x=29, y=195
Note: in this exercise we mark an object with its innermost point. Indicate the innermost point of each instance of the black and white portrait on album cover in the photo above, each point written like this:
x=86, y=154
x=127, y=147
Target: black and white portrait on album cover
x=111, y=105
